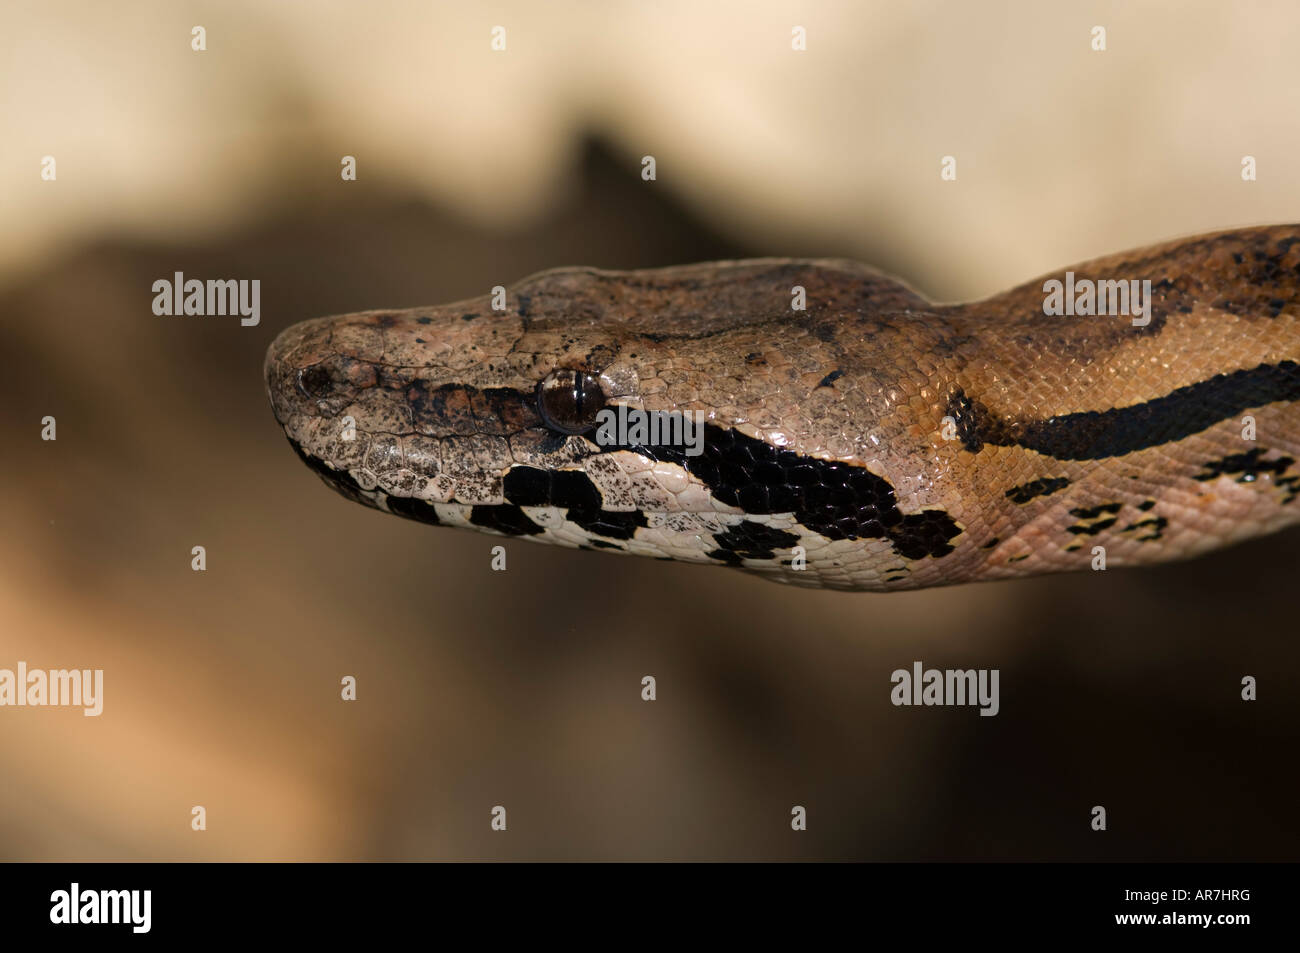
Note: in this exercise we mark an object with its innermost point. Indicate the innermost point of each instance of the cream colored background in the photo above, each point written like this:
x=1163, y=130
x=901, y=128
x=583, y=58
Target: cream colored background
x=1060, y=150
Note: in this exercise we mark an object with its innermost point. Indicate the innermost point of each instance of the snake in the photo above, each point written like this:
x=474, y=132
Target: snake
x=826, y=425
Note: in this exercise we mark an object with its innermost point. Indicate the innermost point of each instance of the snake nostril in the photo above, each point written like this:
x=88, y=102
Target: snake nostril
x=315, y=381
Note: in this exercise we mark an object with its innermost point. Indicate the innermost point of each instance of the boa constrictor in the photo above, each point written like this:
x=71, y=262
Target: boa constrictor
x=870, y=439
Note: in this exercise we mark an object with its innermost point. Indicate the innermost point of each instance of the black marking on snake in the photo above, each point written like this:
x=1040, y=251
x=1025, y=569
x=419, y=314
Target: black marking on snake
x=831, y=377
x=836, y=499
x=504, y=518
x=600, y=357
x=1190, y=288
x=463, y=409
x=533, y=486
x=601, y=544
x=424, y=320
x=1156, y=525
x=1035, y=488
x=1103, y=514
x=1095, y=435
x=1247, y=465
x=413, y=509
x=750, y=540
x=1092, y=529
x=1156, y=316
x=1146, y=505
x=1092, y=512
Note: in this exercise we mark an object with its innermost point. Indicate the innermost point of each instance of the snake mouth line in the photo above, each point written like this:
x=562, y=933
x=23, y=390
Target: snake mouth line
x=834, y=499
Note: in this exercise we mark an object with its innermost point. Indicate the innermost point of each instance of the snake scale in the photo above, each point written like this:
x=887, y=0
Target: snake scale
x=870, y=439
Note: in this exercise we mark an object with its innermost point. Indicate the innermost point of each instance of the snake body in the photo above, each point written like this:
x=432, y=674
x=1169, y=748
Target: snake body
x=869, y=440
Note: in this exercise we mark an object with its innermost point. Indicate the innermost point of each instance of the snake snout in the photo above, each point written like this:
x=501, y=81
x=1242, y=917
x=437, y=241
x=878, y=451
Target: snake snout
x=307, y=376
x=288, y=379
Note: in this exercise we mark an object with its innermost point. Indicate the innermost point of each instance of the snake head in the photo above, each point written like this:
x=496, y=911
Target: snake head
x=687, y=413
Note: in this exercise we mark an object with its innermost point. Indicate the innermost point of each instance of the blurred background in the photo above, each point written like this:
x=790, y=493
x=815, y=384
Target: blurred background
x=477, y=167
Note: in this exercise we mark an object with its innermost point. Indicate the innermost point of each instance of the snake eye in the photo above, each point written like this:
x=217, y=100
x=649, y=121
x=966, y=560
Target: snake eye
x=570, y=400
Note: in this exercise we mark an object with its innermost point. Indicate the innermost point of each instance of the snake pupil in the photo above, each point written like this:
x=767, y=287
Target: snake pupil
x=569, y=400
